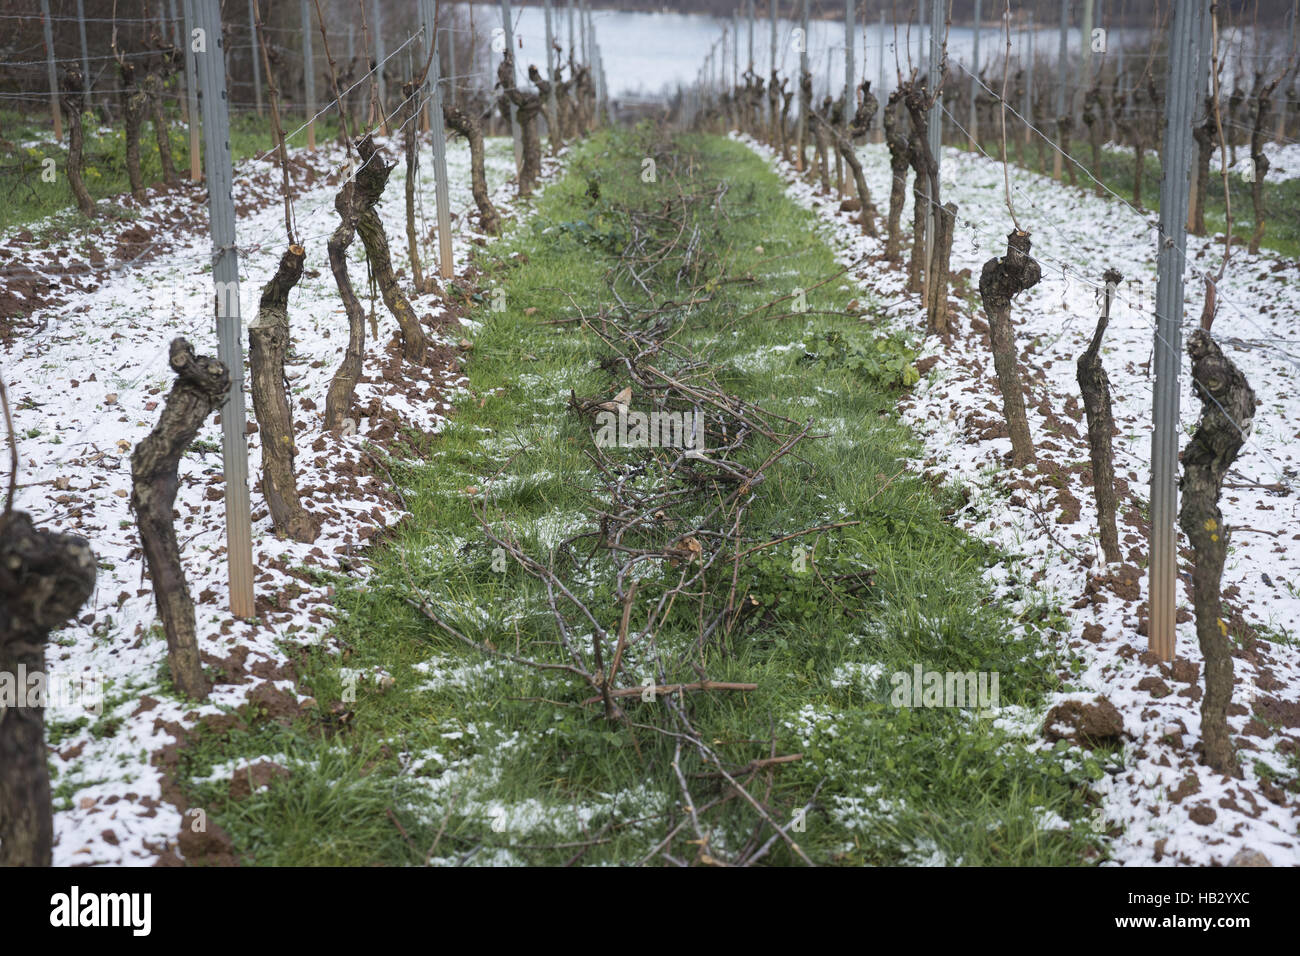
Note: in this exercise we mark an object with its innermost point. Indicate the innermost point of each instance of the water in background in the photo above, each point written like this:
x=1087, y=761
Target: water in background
x=648, y=54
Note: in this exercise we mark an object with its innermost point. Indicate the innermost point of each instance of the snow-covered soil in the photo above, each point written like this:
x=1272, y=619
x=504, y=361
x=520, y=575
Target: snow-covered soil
x=1283, y=160
x=87, y=376
x=1161, y=805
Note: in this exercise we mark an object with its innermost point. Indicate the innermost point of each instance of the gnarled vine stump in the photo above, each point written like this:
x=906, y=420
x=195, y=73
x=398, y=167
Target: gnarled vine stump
x=857, y=129
x=1227, y=407
x=564, y=109
x=152, y=88
x=411, y=144
x=586, y=87
x=552, y=107
x=920, y=212
x=1259, y=161
x=527, y=106
x=805, y=114
x=1206, y=135
x=268, y=343
x=820, y=147
x=1094, y=119
x=343, y=385
x=134, y=104
x=45, y=578
x=1095, y=388
x=936, y=317
x=371, y=230
x=201, y=386
x=774, y=133
x=73, y=101
x=899, y=163
x=468, y=126
x=787, y=95
x=1001, y=279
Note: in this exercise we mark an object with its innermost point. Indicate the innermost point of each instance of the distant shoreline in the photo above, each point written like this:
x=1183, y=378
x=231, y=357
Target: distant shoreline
x=963, y=15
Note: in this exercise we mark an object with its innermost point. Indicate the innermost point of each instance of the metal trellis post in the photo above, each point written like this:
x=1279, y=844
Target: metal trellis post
x=1182, y=91
x=438, y=136
x=225, y=275
x=973, y=124
x=257, y=60
x=81, y=29
x=54, y=77
x=1062, y=67
x=309, y=75
x=192, y=93
x=508, y=29
x=551, y=115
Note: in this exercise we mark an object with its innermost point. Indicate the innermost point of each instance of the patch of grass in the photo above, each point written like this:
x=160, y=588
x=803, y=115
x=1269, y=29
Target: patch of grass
x=30, y=198
x=56, y=732
x=329, y=810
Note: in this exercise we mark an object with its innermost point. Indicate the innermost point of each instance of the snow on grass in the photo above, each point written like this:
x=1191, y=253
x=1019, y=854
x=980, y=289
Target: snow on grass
x=1168, y=807
x=464, y=785
x=1283, y=160
x=90, y=384
x=858, y=675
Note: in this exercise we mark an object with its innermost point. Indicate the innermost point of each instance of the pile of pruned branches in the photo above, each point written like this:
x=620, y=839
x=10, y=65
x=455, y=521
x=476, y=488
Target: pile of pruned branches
x=670, y=537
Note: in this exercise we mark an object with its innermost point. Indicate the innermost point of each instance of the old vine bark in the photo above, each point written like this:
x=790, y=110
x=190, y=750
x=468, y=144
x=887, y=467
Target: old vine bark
x=268, y=342
x=371, y=230
x=920, y=212
x=73, y=102
x=349, y=204
x=468, y=126
x=1001, y=280
x=201, y=386
x=1227, y=407
x=134, y=104
x=527, y=106
x=45, y=578
x=936, y=317
x=1095, y=387
x=552, y=109
x=899, y=162
x=1259, y=161
x=1206, y=136
x=857, y=129
x=154, y=81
